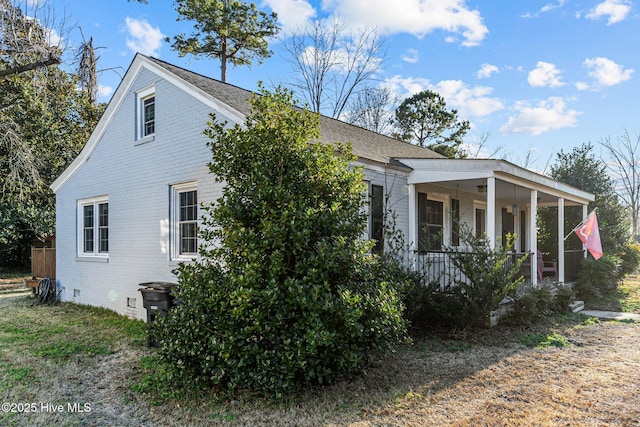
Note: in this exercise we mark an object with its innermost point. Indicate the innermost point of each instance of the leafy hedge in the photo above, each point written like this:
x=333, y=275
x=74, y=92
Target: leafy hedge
x=485, y=276
x=286, y=293
x=598, y=278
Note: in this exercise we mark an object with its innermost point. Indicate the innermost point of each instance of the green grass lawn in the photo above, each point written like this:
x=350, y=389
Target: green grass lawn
x=561, y=368
x=36, y=339
x=625, y=299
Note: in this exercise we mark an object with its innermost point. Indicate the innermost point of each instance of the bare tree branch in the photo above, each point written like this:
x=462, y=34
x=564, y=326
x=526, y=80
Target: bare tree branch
x=332, y=64
x=624, y=165
x=28, y=67
x=372, y=109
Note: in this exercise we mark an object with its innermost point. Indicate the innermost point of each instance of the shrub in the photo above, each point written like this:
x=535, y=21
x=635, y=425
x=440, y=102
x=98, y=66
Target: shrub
x=531, y=303
x=598, y=278
x=630, y=259
x=484, y=278
x=286, y=293
x=487, y=277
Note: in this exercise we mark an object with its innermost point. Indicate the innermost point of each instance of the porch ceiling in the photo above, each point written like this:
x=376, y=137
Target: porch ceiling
x=512, y=182
x=504, y=190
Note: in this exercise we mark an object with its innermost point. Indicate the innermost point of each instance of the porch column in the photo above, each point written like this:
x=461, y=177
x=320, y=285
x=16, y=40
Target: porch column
x=533, y=232
x=491, y=212
x=561, y=239
x=585, y=212
x=413, y=235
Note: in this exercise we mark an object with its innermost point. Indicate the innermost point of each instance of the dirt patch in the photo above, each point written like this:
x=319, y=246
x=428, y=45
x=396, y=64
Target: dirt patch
x=486, y=378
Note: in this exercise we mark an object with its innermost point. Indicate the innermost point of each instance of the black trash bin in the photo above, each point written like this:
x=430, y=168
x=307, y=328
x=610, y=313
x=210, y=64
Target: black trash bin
x=157, y=299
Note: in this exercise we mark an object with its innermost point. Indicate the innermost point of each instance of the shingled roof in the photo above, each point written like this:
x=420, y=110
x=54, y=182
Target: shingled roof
x=365, y=144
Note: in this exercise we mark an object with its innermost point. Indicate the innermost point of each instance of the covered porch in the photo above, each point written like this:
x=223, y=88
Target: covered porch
x=493, y=198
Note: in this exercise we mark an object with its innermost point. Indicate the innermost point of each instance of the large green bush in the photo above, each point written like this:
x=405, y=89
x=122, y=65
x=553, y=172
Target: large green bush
x=598, y=278
x=286, y=292
x=630, y=259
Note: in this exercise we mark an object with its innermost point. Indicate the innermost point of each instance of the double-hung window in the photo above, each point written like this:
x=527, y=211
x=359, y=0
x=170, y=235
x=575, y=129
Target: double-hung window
x=93, y=227
x=149, y=116
x=146, y=113
x=430, y=224
x=185, y=220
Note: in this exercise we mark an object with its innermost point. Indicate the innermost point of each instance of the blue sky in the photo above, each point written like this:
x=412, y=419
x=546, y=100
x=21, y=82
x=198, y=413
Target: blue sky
x=536, y=76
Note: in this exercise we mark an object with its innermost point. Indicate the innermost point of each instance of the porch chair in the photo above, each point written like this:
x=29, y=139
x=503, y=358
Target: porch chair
x=546, y=267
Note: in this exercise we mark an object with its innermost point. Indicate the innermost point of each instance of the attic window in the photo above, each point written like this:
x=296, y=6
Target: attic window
x=149, y=116
x=146, y=113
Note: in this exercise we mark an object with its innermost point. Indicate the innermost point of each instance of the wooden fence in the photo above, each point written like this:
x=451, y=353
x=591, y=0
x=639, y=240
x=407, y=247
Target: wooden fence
x=43, y=262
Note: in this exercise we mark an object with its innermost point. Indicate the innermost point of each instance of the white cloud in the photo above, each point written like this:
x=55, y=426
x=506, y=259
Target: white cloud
x=606, y=72
x=486, y=70
x=544, y=9
x=551, y=114
x=417, y=17
x=104, y=91
x=292, y=14
x=616, y=10
x=471, y=102
x=582, y=86
x=411, y=56
x=143, y=37
x=545, y=74
x=406, y=86
x=550, y=6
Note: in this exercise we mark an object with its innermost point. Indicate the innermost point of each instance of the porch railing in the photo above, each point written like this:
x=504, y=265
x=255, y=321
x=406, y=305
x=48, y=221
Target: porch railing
x=437, y=267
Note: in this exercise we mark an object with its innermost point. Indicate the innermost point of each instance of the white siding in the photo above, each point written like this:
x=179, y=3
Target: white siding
x=137, y=180
x=394, y=183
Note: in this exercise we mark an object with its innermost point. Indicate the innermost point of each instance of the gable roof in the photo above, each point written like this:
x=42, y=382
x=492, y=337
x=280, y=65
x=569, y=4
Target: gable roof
x=365, y=144
x=233, y=101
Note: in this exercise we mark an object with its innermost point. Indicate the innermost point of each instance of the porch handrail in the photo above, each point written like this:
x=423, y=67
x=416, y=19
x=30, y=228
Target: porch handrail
x=435, y=266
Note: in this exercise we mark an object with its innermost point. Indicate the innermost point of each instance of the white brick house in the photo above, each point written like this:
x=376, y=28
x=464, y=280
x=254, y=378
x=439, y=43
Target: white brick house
x=127, y=207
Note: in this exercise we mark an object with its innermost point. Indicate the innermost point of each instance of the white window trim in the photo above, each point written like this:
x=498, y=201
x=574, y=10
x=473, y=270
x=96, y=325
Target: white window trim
x=93, y=201
x=176, y=189
x=141, y=96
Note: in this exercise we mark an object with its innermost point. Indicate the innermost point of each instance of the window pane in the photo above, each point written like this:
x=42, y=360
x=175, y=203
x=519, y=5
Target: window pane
x=103, y=212
x=87, y=227
x=88, y=216
x=88, y=240
x=434, y=238
x=188, y=206
x=435, y=212
x=149, y=107
x=188, y=239
x=104, y=240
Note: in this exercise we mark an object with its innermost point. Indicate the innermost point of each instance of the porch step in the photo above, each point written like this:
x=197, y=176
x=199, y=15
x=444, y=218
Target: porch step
x=577, y=306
